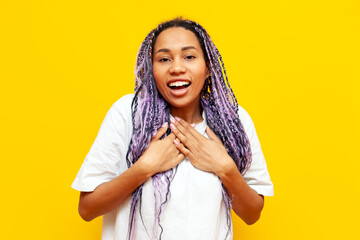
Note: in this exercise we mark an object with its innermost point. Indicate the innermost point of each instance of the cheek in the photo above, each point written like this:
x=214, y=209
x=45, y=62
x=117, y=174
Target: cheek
x=160, y=84
x=203, y=74
x=158, y=75
x=155, y=73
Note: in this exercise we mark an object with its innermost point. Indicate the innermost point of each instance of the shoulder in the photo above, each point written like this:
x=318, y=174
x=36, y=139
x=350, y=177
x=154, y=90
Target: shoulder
x=122, y=106
x=124, y=102
x=244, y=117
x=120, y=111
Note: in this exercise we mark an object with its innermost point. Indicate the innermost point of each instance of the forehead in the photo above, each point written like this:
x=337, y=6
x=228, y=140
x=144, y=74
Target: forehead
x=176, y=37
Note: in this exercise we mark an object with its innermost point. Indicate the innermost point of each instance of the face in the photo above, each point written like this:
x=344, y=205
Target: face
x=179, y=67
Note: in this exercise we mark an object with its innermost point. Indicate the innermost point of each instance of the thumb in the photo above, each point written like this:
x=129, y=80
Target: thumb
x=161, y=131
x=212, y=135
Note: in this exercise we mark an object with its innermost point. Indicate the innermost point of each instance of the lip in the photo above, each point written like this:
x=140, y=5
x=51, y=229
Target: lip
x=178, y=92
x=178, y=80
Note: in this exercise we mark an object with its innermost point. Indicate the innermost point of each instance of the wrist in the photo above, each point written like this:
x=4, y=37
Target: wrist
x=227, y=168
x=145, y=168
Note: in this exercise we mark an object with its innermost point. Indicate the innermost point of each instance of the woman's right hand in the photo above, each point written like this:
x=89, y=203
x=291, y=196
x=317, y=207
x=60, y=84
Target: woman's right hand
x=161, y=155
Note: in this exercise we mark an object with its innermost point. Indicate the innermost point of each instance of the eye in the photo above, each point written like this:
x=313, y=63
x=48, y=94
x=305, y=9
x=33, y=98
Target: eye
x=164, y=60
x=190, y=57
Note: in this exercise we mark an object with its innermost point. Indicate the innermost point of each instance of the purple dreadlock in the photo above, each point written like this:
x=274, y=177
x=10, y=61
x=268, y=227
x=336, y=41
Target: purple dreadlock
x=150, y=111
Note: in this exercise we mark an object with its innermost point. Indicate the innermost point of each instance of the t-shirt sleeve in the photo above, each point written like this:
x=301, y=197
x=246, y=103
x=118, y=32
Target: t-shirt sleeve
x=257, y=176
x=107, y=156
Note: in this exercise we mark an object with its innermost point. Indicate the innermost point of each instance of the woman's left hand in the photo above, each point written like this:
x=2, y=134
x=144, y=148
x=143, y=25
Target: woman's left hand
x=210, y=155
x=205, y=154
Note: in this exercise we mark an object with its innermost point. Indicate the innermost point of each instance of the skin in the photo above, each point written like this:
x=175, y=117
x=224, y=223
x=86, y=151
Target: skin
x=177, y=55
x=171, y=60
x=161, y=155
x=204, y=154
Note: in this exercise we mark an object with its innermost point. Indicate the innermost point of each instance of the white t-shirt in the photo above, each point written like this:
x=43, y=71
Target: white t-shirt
x=195, y=209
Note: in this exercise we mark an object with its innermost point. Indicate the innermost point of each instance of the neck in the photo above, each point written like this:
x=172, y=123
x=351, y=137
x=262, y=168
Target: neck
x=191, y=114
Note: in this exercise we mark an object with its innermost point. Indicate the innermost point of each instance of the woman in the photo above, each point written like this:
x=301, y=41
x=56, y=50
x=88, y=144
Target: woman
x=171, y=160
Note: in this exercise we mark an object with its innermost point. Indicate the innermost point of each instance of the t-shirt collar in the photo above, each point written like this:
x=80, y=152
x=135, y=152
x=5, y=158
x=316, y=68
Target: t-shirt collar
x=200, y=127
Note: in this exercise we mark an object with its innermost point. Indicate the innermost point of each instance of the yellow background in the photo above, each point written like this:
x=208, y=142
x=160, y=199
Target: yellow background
x=294, y=66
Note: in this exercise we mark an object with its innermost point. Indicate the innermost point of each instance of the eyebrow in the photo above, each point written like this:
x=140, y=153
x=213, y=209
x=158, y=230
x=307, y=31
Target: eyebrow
x=182, y=49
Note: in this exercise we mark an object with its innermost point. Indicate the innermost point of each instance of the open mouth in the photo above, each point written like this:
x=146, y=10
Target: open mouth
x=177, y=85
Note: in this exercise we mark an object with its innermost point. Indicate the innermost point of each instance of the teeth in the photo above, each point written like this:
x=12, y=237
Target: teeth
x=178, y=84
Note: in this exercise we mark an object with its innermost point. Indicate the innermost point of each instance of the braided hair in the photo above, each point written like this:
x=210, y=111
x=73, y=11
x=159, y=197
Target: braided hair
x=150, y=111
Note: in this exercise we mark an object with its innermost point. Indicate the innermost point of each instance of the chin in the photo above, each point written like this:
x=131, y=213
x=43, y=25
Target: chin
x=183, y=103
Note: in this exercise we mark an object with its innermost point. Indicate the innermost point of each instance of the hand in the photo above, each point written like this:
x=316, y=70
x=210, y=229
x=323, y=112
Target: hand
x=210, y=155
x=161, y=155
x=205, y=154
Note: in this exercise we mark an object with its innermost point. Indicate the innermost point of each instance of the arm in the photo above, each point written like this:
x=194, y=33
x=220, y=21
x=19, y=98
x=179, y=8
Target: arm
x=246, y=202
x=109, y=195
x=204, y=154
x=160, y=156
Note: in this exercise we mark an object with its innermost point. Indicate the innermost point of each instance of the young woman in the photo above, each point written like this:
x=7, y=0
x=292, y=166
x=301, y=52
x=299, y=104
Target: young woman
x=171, y=160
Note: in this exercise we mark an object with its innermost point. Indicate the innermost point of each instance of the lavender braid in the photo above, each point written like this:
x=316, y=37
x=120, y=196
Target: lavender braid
x=150, y=111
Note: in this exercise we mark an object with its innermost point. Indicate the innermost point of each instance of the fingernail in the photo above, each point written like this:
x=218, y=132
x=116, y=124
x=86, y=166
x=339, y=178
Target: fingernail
x=176, y=142
x=193, y=125
x=172, y=120
x=177, y=119
x=165, y=124
x=172, y=126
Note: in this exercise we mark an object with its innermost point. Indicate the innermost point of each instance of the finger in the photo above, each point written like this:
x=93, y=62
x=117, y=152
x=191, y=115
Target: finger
x=190, y=128
x=180, y=157
x=160, y=132
x=183, y=139
x=184, y=150
x=212, y=135
x=171, y=136
x=186, y=129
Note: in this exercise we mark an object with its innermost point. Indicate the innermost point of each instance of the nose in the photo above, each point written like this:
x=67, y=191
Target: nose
x=177, y=67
